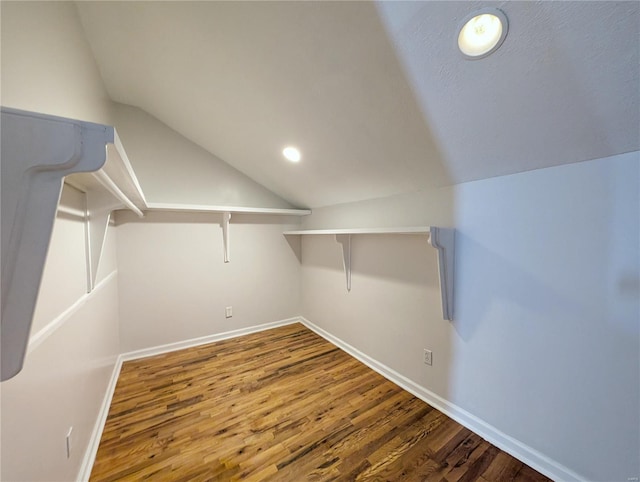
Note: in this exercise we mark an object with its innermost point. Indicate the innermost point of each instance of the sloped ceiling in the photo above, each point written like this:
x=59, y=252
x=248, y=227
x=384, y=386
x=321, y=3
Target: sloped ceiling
x=376, y=95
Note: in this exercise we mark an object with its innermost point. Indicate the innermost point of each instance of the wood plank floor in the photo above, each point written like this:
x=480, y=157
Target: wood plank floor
x=283, y=404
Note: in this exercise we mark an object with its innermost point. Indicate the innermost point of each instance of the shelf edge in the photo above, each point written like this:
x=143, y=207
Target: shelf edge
x=225, y=209
x=403, y=230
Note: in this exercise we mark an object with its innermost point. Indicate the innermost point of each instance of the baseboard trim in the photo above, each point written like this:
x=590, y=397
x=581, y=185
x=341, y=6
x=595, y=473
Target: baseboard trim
x=519, y=450
x=96, y=434
x=203, y=340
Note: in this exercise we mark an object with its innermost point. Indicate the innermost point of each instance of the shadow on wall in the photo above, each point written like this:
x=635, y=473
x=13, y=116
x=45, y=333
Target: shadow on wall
x=513, y=286
x=546, y=321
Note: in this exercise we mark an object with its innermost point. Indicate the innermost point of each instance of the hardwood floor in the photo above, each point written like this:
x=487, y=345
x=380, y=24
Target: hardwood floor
x=283, y=404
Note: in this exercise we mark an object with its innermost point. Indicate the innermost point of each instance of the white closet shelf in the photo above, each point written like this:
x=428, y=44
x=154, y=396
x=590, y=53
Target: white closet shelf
x=443, y=239
x=114, y=186
x=226, y=212
x=404, y=230
x=115, y=177
x=197, y=208
x=39, y=152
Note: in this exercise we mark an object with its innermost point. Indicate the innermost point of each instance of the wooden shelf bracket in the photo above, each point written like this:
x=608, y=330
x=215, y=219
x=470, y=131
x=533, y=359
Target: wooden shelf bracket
x=443, y=239
x=38, y=152
x=114, y=186
x=36, y=155
x=226, y=212
x=345, y=241
x=226, y=217
x=99, y=205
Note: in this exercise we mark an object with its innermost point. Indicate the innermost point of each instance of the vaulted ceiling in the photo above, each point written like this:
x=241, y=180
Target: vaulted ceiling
x=375, y=94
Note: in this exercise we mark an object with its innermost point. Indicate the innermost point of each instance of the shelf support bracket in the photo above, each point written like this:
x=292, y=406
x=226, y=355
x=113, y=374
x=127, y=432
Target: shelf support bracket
x=38, y=151
x=443, y=239
x=345, y=241
x=99, y=206
x=226, y=217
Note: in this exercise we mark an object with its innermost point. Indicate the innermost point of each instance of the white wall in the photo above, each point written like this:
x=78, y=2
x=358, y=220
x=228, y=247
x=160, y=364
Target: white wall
x=65, y=260
x=548, y=315
x=172, y=169
x=175, y=286
x=393, y=310
x=48, y=67
x=421, y=208
x=545, y=342
x=71, y=355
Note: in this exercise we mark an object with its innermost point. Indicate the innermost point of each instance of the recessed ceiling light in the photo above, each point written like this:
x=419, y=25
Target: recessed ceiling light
x=291, y=153
x=482, y=33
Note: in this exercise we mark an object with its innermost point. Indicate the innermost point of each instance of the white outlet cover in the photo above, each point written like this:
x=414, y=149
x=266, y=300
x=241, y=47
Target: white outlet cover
x=428, y=357
x=228, y=311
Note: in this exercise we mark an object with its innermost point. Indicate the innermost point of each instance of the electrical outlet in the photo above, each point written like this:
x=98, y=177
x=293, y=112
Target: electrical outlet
x=228, y=311
x=428, y=360
x=69, y=441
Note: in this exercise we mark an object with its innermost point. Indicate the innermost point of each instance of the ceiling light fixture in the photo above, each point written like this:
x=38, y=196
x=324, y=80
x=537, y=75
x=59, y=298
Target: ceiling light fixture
x=482, y=33
x=291, y=153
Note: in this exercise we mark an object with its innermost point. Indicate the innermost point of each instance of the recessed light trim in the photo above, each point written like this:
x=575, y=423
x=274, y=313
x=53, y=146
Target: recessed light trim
x=482, y=33
x=292, y=154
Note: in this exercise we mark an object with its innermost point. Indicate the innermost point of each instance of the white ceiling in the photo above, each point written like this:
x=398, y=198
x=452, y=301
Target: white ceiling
x=375, y=95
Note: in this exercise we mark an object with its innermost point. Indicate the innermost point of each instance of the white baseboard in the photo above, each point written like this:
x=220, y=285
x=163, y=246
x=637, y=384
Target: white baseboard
x=203, y=340
x=519, y=450
x=96, y=434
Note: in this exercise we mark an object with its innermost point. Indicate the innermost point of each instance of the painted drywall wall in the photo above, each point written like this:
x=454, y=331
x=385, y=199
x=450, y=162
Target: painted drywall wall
x=65, y=261
x=548, y=311
x=393, y=305
x=69, y=361
x=62, y=385
x=172, y=169
x=47, y=65
x=174, y=284
x=429, y=207
x=545, y=342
